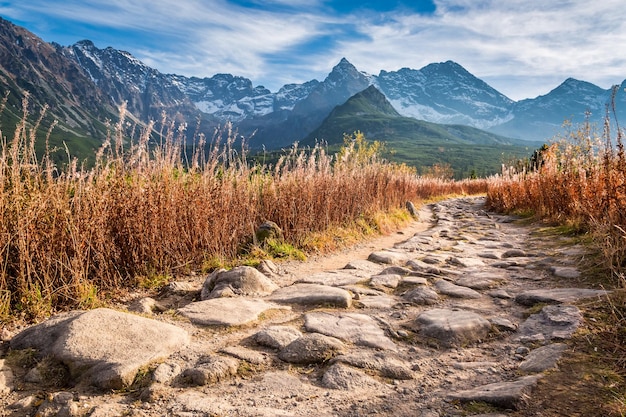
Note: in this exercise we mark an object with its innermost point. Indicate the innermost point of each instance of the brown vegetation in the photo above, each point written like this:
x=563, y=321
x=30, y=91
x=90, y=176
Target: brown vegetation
x=580, y=182
x=142, y=212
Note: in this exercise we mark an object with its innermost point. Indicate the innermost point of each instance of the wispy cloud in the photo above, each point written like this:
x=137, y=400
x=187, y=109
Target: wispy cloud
x=521, y=48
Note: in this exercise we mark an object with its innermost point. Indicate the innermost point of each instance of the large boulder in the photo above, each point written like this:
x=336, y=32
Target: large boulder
x=102, y=347
x=240, y=281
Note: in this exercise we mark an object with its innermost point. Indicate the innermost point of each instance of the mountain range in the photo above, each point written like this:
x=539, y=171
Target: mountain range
x=83, y=86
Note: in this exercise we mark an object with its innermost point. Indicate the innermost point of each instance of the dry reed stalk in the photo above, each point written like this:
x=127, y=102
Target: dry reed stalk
x=144, y=209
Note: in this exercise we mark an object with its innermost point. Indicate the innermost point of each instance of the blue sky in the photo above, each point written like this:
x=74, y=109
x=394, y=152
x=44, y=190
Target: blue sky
x=523, y=48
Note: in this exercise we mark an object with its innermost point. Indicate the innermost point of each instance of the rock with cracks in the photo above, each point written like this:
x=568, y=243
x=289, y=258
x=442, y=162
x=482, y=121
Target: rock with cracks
x=311, y=348
x=240, y=281
x=511, y=395
x=312, y=294
x=452, y=327
x=360, y=329
x=102, y=347
x=226, y=311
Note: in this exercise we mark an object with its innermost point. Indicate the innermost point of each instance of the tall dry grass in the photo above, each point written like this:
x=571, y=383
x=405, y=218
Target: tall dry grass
x=69, y=234
x=579, y=180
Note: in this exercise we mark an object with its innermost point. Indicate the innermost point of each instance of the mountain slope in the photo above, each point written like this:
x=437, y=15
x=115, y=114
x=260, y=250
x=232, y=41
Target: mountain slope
x=545, y=115
x=33, y=68
x=416, y=142
x=444, y=93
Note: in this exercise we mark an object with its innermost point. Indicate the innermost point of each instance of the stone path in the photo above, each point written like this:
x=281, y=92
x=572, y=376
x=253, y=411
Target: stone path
x=418, y=329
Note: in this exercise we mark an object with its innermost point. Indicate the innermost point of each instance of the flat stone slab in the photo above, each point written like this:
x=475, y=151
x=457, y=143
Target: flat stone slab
x=414, y=281
x=212, y=370
x=511, y=395
x=565, y=272
x=422, y=295
x=388, y=366
x=387, y=281
x=543, y=358
x=465, y=262
x=557, y=295
x=452, y=327
x=336, y=278
x=359, y=329
x=377, y=301
x=553, y=322
x=481, y=280
x=421, y=266
x=312, y=294
x=102, y=347
x=447, y=288
x=388, y=257
x=370, y=267
x=226, y=311
x=277, y=337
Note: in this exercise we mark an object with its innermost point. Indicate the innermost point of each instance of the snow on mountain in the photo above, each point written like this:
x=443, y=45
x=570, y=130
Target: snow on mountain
x=439, y=92
x=445, y=93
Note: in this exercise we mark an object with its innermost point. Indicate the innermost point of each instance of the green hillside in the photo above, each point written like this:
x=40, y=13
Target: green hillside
x=468, y=150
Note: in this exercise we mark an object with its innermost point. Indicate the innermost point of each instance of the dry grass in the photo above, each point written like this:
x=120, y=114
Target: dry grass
x=580, y=182
x=69, y=235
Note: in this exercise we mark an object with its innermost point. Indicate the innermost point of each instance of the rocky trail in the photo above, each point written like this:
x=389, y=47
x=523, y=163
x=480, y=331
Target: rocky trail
x=473, y=309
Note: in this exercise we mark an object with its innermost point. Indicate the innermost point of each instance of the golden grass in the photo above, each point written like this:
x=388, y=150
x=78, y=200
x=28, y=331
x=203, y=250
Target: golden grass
x=69, y=234
x=580, y=182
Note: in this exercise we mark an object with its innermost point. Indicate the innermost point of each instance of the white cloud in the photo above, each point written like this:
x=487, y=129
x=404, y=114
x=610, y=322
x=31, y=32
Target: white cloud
x=520, y=47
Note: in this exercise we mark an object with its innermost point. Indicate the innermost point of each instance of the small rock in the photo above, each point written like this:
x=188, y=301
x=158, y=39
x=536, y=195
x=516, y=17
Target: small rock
x=503, y=324
x=421, y=266
x=212, y=370
x=453, y=290
x=410, y=207
x=180, y=288
x=248, y=355
x=311, y=348
x=414, y=281
x=267, y=267
x=421, y=296
x=387, y=365
x=340, y=376
x=268, y=230
x=387, y=280
x=165, y=373
x=514, y=253
x=277, y=337
x=388, y=257
x=465, y=262
x=145, y=305
x=63, y=397
x=501, y=294
x=565, y=272
x=543, y=358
